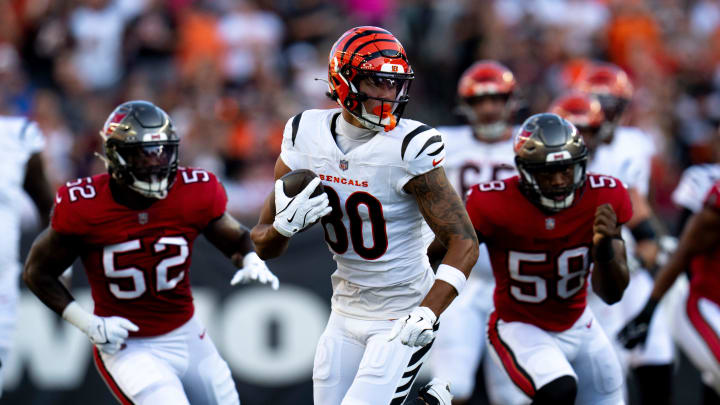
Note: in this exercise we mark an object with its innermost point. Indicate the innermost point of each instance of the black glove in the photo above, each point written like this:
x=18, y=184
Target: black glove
x=635, y=332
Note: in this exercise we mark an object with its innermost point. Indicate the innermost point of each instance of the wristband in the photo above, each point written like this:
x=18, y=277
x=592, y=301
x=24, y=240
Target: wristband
x=604, y=251
x=644, y=231
x=78, y=316
x=452, y=276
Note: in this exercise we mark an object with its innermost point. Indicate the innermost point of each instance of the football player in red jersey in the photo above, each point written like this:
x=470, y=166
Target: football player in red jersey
x=623, y=153
x=697, y=322
x=545, y=230
x=134, y=228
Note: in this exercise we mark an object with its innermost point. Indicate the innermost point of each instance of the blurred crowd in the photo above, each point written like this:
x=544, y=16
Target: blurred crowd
x=231, y=72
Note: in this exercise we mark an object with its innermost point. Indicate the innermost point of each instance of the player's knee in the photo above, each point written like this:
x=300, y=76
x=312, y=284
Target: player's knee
x=216, y=386
x=560, y=391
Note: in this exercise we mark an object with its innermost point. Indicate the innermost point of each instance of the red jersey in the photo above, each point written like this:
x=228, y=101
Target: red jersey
x=541, y=260
x=137, y=261
x=705, y=268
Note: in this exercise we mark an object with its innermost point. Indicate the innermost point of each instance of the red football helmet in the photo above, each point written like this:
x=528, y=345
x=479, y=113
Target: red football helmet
x=584, y=111
x=611, y=85
x=486, y=80
x=373, y=54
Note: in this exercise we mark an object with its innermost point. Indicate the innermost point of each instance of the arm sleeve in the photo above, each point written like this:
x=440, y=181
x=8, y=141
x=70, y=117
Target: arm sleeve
x=636, y=174
x=474, y=205
x=712, y=199
x=622, y=205
x=288, y=149
x=63, y=219
x=32, y=138
x=690, y=191
x=421, y=152
x=219, y=200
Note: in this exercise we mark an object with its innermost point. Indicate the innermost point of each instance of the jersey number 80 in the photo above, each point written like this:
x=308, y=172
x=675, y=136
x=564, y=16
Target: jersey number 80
x=337, y=236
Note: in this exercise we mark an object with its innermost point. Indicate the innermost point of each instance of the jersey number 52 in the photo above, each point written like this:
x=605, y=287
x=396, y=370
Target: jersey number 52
x=138, y=276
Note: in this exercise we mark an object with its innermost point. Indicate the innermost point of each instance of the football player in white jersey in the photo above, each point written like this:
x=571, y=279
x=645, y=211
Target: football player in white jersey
x=21, y=146
x=383, y=178
x=695, y=183
x=479, y=152
x=625, y=152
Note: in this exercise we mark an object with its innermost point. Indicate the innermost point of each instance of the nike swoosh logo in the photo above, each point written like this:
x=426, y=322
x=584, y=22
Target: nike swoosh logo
x=202, y=335
x=291, y=218
x=435, y=163
x=58, y=198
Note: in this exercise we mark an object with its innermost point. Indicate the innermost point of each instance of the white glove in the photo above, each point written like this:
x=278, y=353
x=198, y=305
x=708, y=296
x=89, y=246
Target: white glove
x=255, y=269
x=294, y=214
x=437, y=391
x=415, y=329
x=107, y=333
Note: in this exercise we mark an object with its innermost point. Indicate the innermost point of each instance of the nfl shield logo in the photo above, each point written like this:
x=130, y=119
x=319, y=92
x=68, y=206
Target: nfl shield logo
x=143, y=218
x=549, y=223
x=344, y=164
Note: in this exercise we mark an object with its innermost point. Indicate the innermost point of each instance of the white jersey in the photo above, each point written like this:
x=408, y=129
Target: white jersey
x=375, y=228
x=627, y=157
x=694, y=185
x=19, y=139
x=471, y=161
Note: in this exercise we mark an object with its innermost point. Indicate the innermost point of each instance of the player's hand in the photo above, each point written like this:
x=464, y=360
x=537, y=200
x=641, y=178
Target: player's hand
x=294, y=214
x=636, y=331
x=605, y=224
x=255, y=269
x=415, y=329
x=109, y=333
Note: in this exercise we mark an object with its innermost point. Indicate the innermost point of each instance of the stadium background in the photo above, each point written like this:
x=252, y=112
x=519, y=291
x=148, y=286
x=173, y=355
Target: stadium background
x=231, y=72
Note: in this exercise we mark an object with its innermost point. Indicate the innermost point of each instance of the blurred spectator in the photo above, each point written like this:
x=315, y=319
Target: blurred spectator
x=97, y=28
x=58, y=139
x=252, y=38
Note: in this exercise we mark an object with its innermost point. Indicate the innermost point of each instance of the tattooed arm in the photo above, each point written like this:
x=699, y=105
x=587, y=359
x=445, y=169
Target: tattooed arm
x=444, y=212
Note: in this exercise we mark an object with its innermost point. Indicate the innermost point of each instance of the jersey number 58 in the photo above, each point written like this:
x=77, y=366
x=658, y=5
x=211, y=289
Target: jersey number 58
x=571, y=266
